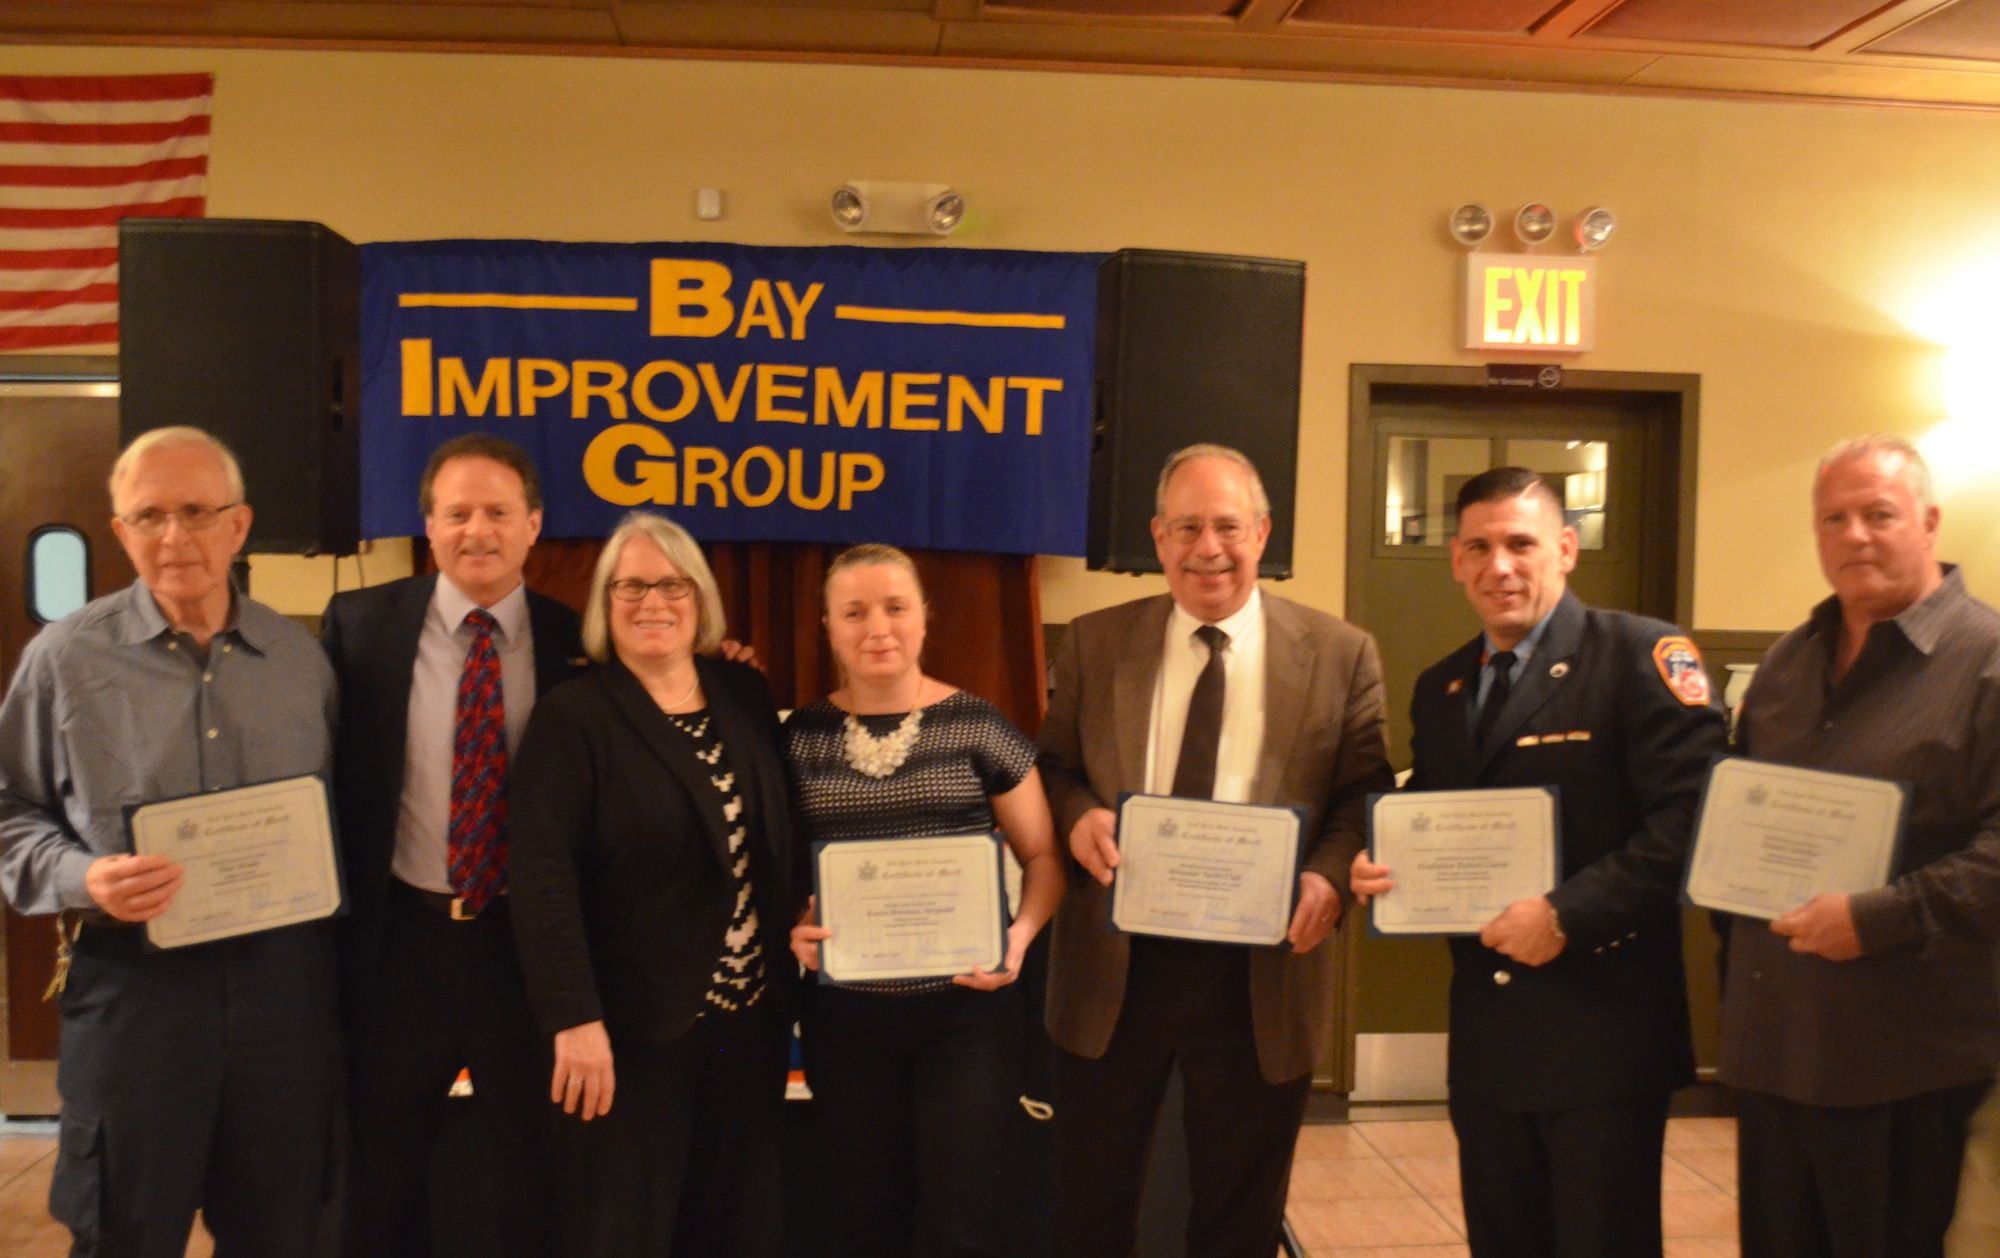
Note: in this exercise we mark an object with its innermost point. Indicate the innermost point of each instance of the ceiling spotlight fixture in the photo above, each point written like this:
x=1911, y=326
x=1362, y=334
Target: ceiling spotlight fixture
x=909, y=209
x=1471, y=223
x=1534, y=223
x=1592, y=228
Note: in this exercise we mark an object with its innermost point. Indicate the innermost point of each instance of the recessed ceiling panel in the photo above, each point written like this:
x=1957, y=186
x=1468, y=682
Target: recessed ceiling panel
x=1761, y=23
x=1427, y=15
x=768, y=6
x=1968, y=29
x=1122, y=8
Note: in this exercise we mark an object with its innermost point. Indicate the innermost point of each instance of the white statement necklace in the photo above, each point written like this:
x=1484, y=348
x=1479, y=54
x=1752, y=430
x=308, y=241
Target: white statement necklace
x=879, y=757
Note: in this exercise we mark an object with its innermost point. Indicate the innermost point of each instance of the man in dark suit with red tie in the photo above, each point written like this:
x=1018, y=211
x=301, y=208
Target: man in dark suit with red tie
x=437, y=677
x=1218, y=691
x=1569, y=1022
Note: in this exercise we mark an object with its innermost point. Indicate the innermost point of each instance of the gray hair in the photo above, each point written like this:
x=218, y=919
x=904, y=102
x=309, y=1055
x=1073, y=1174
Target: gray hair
x=1210, y=450
x=180, y=435
x=1916, y=472
x=682, y=552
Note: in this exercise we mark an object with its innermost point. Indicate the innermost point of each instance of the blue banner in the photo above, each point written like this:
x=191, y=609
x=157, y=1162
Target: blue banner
x=925, y=397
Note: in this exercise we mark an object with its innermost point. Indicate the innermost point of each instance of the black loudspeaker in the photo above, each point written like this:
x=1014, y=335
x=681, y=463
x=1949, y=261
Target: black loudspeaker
x=1192, y=347
x=251, y=329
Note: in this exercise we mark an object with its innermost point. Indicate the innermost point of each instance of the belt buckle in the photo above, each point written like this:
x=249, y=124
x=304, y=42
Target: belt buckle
x=460, y=913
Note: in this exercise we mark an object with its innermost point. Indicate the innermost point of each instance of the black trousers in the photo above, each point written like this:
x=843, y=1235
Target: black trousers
x=687, y=1162
x=916, y=1106
x=1185, y=1004
x=199, y=1078
x=449, y=996
x=1867, y=1181
x=1582, y=1182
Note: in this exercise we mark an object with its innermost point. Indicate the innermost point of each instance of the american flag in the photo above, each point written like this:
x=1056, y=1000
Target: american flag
x=78, y=153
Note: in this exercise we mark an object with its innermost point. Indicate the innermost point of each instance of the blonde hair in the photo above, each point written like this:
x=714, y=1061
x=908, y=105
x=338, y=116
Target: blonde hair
x=867, y=555
x=682, y=552
x=170, y=438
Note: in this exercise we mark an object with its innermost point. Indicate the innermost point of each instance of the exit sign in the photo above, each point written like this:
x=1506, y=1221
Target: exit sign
x=1525, y=302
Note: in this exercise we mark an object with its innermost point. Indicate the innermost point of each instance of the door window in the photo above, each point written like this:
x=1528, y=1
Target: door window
x=1423, y=475
x=1577, y=470
x=58, y=572
x=1423, y=478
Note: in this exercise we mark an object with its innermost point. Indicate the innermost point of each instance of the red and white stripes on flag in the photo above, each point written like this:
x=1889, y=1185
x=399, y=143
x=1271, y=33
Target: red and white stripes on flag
x=78, y=153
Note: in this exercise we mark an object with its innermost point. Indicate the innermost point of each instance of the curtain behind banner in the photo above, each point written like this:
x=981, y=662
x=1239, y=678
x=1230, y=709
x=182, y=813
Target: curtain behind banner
x=985, y=631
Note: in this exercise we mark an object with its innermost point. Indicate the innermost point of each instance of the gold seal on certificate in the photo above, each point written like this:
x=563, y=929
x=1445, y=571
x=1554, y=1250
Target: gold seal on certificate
x=1770, y=837
x=910, y=908
x=253, y=858
x=1202, y=869
x=1460, y=857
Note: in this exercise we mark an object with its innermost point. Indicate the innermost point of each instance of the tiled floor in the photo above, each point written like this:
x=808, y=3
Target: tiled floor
x=26, y=1230
x=1389, y=1189
x=1376, y=1189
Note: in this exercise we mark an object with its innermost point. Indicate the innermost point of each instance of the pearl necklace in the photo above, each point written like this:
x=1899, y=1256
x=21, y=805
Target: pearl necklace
x=685, y=696
x=879, y=757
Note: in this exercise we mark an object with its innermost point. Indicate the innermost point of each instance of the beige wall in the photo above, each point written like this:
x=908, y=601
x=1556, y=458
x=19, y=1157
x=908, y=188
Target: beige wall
x=1804, y=260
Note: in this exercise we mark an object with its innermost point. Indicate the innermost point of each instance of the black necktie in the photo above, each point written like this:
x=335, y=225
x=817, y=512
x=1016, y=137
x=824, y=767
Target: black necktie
x=1502, y=664
x=1194, y=773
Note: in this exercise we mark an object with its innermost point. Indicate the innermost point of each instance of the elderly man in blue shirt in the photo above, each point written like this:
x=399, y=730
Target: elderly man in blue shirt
x=200, y=1077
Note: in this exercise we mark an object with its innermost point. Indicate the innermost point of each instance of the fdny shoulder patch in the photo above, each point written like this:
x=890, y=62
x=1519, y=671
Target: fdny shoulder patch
x=1680, y=667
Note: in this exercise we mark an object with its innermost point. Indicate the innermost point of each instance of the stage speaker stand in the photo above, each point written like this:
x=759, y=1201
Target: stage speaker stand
x=250, y=328
x=1192, y=347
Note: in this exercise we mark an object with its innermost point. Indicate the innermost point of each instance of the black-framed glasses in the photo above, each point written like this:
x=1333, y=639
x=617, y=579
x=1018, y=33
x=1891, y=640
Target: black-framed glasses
x=194, y=518
x=1187, y=529
x=633, y=590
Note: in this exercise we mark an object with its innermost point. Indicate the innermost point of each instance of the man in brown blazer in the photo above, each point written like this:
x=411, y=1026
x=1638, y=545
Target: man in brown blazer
x=1219, y=692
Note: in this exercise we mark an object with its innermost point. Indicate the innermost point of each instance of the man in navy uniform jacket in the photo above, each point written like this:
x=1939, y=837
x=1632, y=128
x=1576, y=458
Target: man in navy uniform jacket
x=1569, y=1023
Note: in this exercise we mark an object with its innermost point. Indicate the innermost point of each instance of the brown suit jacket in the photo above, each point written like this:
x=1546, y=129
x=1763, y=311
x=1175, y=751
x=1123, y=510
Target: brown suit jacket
x=1323, y=753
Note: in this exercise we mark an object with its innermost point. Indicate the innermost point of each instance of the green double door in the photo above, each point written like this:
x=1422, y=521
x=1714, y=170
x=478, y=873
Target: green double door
x=1611, y=454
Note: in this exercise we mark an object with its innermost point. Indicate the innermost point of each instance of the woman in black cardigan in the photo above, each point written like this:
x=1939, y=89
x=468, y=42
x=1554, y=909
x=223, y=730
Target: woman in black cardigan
x=650, y=847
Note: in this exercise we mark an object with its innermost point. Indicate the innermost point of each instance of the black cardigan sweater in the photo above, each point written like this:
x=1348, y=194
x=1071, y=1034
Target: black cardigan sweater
x=619, y=852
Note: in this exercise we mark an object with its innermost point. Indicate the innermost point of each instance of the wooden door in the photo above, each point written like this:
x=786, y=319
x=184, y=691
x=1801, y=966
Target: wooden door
x=58, y=437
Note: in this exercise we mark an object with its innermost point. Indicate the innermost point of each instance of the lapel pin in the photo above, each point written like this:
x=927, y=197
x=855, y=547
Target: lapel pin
x=1559, y=670
x=1456, y=684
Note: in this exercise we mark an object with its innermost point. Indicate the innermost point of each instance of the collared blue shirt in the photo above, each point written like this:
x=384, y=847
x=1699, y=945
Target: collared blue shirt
x=112, y=707
x=1524, y=650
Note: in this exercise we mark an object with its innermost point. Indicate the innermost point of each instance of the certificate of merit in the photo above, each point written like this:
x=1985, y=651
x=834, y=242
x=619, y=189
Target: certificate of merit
x=1460, y=857
x=910, y=908
x=1771, y=837
x=253, y=858
x=1201, y=869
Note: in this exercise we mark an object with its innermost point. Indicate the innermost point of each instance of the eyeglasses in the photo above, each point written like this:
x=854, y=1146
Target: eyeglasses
x=633, y=590
x=1187, y=530
x=194, y=518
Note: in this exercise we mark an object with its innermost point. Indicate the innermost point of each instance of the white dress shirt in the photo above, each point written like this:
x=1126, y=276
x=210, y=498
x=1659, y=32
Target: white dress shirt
x=1182, y=658
x=423, y=821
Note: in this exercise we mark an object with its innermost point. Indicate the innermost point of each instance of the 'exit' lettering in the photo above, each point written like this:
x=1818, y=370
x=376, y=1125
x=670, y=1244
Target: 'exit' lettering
x=1523, y=302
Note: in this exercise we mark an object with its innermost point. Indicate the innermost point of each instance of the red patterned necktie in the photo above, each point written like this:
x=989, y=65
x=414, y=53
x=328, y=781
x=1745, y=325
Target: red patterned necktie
x=477, y=853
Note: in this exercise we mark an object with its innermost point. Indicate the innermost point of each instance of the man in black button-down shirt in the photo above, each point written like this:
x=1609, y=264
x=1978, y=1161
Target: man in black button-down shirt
x=1863, y=1029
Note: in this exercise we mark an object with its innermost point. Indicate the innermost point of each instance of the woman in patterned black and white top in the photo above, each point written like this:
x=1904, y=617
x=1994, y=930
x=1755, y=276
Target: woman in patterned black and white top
x=651, y=865
x=914, y=1083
